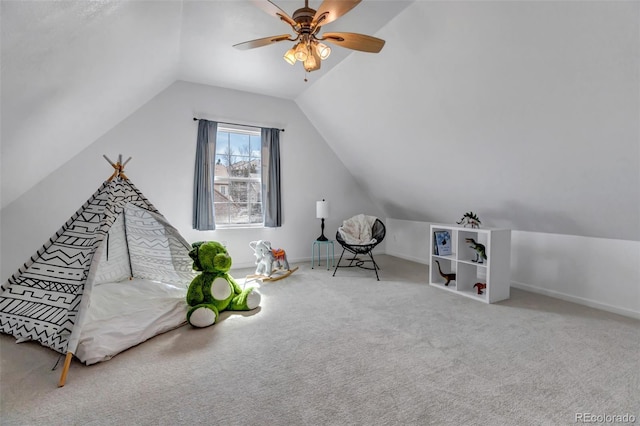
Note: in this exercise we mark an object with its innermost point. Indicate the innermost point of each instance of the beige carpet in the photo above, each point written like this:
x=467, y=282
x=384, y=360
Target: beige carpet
x=349, y=351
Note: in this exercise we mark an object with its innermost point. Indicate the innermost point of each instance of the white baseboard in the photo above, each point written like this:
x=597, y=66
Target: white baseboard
x=576, y=299
x=407, y=257
x=526, y=287
x=242, y=265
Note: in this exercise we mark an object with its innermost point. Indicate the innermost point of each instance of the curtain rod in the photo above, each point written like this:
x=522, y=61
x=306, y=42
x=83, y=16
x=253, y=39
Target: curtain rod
x=235, y=124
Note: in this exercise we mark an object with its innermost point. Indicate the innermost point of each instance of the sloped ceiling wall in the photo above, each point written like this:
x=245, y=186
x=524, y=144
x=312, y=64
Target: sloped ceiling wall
x=71, y=71
x=526, y=113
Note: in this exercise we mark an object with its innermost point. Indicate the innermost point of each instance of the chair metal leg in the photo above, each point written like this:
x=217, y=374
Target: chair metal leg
x=358, y=262
x=375, y=266
x=338, y=264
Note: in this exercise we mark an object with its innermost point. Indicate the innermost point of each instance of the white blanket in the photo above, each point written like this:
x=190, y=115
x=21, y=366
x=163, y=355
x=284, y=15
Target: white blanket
x=357, y=230
x=127, y=313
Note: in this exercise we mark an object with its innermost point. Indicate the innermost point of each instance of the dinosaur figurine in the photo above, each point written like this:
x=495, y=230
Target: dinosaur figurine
x=480, y=287
x=470, y=219
x=449, y=277
x=481, y=252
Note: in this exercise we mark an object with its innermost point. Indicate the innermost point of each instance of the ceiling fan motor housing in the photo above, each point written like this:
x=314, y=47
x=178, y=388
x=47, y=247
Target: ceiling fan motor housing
x=304, y=17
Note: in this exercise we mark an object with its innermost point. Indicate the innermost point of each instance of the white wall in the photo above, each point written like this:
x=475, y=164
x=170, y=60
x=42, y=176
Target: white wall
x=161, y=138
x=526, y=112
x=408, y=240
x=597, y=272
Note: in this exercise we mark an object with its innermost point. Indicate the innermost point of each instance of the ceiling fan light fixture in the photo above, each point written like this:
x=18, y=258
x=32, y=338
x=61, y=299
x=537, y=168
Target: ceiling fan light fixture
x=301, y=52
x=307, y=23
x=310, y=63
x=290, y=56
x=323, y=50
x=313, y=60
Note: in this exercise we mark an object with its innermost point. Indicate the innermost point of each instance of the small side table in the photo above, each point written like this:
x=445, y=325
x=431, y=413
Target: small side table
x=318, y=244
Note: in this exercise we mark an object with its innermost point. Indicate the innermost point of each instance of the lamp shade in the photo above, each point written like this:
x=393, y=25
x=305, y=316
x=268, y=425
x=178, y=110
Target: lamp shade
x=290, y=56
x=310, y=63
x=301, y=52
x=323, y=50
x=322, y=209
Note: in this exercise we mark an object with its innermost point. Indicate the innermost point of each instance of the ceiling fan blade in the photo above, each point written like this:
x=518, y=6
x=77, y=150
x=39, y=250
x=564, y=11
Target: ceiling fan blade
x=354, y=41
x=262, y=42
x=274, y=10
x=330, y=10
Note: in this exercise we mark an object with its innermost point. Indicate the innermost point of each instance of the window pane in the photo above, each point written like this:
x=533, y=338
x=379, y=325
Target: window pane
x=256, y=213
x=222, y=142
x=238, y=191
x=222, y=160
x=222, y=213
x=256, y=145
x=240, y=213
x=239, y=143
x=237, y=182
x=226, y=157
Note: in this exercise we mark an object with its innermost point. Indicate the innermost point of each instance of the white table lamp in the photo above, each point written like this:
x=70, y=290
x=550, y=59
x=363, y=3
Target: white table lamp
x=322, y=211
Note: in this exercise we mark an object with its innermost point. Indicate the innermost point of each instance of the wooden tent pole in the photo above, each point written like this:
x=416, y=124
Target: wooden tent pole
x=110, y=162
x=119, y=167
x=65, y=370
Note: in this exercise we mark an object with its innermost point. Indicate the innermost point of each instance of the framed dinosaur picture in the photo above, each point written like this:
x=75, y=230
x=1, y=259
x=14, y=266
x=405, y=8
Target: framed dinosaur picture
x=443, y=243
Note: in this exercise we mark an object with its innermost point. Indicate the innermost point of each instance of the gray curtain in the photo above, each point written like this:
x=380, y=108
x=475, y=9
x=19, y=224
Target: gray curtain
x=203, y=211
x=271, y=177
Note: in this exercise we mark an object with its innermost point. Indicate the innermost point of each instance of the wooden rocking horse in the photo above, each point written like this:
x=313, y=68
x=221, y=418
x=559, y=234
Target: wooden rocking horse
x=272, y=263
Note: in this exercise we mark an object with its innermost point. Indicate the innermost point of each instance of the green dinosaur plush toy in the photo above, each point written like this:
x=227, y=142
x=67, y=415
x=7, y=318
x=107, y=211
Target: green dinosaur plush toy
x=214, y=290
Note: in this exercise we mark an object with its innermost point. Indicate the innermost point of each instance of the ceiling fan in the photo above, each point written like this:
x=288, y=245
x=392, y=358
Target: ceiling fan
x=306, y=23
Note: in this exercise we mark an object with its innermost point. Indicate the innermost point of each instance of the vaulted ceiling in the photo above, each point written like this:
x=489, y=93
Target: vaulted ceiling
x=526, y=112
x=71, y=70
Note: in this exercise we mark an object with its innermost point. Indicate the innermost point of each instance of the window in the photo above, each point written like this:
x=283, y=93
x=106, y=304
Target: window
x=234, y=197
x=238, y=177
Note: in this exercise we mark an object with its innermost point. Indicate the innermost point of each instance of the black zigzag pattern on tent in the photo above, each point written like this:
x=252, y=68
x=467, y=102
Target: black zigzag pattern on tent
x=143, y=202
x=38, y=299
x=155, y=249
x=33, y=331
x=38, y=321
x=113, y=264
x=42, y=299
x=52, y=286
x=45, y=311
x=55, y=236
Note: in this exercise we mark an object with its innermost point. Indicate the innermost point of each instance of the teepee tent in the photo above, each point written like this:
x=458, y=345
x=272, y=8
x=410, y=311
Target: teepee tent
x=113, y=276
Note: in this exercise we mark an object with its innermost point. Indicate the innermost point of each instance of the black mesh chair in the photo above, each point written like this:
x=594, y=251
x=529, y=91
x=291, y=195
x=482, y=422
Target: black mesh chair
x=378, y=231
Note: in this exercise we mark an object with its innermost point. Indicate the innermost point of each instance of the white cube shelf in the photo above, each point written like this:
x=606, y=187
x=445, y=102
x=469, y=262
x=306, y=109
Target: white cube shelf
x=495, y=271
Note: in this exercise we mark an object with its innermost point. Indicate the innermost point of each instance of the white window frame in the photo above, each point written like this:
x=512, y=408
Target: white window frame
x=228, y=179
